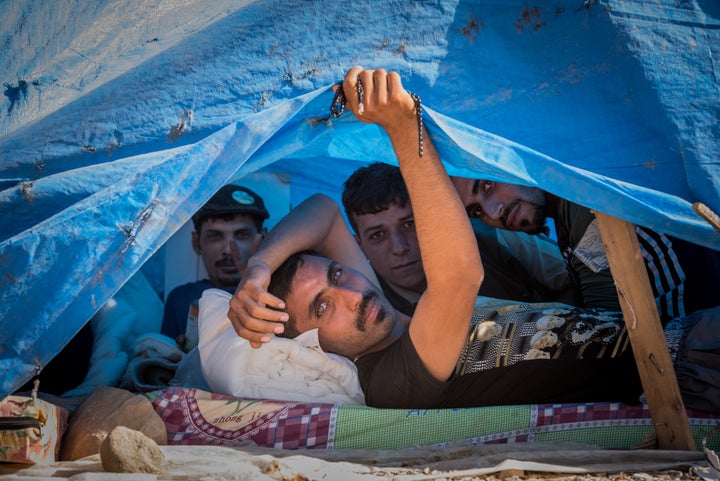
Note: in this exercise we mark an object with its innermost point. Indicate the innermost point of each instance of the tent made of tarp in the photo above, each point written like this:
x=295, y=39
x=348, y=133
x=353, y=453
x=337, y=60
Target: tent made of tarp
x=121, y=118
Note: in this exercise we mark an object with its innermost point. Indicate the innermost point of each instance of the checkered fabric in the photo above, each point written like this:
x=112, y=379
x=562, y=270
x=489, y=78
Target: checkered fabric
x=193, y=416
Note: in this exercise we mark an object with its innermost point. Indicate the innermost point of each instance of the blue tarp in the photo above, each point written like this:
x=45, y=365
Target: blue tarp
x=120, y=120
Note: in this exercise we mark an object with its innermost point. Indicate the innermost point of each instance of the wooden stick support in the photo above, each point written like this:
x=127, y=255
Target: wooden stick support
x=706, y=213
x=646, y=335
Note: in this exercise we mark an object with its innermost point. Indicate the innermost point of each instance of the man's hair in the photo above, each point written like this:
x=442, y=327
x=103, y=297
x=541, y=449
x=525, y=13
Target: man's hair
x=281, y=285
x=373, y=189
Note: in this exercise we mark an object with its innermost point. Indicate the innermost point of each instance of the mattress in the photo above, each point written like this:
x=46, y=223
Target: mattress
x=196, y=417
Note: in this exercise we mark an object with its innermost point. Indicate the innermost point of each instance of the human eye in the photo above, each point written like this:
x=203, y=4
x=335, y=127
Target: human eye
x=486, y=186
x=377, y=235
x=409, y=225
x=321, y=308
x=242, y=235
x=337, y=275
x=474, y=211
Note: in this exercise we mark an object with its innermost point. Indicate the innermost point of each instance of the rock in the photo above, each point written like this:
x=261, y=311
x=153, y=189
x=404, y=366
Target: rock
x=125, y=450
x=102, y=411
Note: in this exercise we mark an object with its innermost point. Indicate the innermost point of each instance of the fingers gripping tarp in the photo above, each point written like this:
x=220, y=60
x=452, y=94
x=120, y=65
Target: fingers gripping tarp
x=106, y=152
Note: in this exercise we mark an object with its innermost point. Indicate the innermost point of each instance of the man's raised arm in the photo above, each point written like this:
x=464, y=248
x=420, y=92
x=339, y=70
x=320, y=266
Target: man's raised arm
x=448, y=247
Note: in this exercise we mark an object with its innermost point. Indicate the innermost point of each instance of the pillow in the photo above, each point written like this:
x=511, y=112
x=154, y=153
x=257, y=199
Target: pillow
x=139, y=294
x=111, y=326
x=135, y=309
x=283, y=369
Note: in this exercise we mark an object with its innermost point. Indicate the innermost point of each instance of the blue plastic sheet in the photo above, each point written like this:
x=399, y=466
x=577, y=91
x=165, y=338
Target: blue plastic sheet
x=104, y=154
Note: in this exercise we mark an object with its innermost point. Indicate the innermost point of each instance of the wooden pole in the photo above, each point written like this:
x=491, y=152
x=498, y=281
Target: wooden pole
x=706, y=213
x=645, y=332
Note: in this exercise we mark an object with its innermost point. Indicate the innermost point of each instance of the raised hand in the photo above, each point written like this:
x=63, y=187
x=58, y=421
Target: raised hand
x=249, y=313
x=384, y=100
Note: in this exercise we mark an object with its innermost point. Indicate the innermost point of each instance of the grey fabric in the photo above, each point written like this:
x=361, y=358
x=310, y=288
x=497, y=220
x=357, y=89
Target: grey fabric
x=698, y=363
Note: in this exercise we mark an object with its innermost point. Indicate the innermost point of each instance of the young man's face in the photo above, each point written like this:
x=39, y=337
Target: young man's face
x=350, y=313
x=388, y=239
x=502, y=205
x=213, y=242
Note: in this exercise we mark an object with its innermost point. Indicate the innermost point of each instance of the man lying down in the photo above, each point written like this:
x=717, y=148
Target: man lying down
x=309, y=274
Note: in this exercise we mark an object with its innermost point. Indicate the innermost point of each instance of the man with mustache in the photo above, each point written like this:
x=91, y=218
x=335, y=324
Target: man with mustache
x=228, y=230
x=685, y=277
x=309, y=273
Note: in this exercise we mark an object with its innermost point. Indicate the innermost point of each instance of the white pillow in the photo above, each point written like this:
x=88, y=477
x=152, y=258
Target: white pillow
x=283, y=369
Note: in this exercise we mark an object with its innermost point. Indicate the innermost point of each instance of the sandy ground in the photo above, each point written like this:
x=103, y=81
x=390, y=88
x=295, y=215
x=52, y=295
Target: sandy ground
x=507, y=463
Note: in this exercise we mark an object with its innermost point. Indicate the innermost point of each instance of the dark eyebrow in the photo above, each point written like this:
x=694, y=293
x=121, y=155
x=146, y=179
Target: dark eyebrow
x=312, y=309
x=372, y=228
x=379, y=226
x=476, y=187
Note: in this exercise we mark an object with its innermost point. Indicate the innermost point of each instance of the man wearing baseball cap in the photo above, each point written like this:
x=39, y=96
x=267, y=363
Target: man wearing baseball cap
x=228, y=230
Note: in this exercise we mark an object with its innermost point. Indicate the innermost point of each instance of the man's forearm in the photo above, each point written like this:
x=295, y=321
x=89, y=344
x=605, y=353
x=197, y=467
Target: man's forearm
x=444, y=232
x=315, y=224
x=306, y=227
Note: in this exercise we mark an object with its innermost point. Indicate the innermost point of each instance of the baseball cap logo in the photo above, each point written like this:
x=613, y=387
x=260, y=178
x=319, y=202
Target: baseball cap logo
x=243, y=198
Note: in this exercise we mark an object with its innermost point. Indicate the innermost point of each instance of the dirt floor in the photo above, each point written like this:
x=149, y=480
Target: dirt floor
x=656, y=476
x=462, y=464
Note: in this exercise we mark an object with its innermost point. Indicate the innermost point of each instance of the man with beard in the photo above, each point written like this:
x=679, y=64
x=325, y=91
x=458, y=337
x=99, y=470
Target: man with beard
x=377, y=205
x=228, y=230
x=684, y=277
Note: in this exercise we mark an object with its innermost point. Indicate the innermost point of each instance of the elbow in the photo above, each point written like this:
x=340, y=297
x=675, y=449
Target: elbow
x=472, y=274
x=466, y=279
x=321, y=199
x=476, y=275
x=325, y=203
